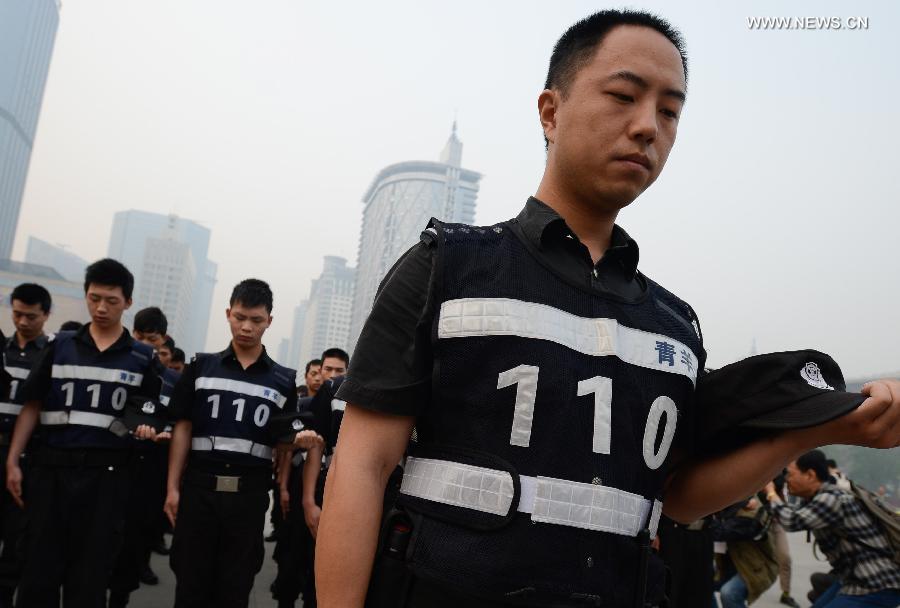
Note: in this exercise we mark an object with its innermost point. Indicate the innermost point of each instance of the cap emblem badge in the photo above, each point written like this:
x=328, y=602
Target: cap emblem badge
x=813, y=376
x=148, y=407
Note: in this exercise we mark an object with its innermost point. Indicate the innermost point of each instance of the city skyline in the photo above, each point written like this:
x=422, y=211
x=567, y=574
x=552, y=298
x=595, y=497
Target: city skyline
x=777, y=198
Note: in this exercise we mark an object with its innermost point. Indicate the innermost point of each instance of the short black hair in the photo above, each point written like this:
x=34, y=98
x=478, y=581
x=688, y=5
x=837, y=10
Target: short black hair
x=111, y=273
x=311, y=363
x=816, y=461
x=71, y=326
x=151, y=320
x=31, y=294
x=169, y=342
x=832, y=463
x=252, y=293
x=177, y=355
x=337, y=353
x=578, y=44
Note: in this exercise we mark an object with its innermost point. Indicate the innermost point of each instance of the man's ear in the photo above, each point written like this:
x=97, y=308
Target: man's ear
x=548, y=103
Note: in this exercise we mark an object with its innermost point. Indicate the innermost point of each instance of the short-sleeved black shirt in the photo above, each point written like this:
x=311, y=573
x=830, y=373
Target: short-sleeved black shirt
x=391, y=367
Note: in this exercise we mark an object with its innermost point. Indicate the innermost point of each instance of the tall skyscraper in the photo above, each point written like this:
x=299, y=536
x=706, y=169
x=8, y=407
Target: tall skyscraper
x=27, y=34
x=167, y=255
x=398, y=204
x=327, y=318
x=297, y=335
x=56, y=257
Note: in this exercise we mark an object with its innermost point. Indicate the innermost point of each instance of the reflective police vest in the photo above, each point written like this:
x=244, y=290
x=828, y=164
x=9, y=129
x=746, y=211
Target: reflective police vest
x=169, y=378
x=554, y=409
x=18, y=370
x=232, y=408
x=91, y=393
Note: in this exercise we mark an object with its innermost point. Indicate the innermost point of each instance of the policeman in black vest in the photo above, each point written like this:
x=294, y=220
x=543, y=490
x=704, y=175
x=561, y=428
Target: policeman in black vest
x=550, y=383
x=79, y=480
x=220, y=457
x=148, y=473
x=31, y=305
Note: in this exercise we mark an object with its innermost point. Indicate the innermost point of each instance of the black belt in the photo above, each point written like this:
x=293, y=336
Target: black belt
x=82, y=457
x=253, y=482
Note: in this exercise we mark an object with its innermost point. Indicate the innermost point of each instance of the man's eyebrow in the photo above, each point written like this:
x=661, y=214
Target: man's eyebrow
x=639, y=81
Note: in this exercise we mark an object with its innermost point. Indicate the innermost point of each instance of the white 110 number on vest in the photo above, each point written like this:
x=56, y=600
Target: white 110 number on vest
x=525, y=379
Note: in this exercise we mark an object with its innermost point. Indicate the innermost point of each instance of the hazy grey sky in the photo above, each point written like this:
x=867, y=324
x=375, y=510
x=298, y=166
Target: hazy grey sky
x=776, y=217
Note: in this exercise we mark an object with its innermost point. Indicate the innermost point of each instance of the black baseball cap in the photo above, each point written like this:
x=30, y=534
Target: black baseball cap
x=774, y=391
x=140, y=411
x=284, y=426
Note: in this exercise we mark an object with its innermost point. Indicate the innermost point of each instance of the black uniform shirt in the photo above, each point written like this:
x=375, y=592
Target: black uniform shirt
x=182, y=402
x=391, y=367
x=28, y=355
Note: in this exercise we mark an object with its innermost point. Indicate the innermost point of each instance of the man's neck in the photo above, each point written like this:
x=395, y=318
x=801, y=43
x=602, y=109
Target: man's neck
x=311, y=392
x=22, y=341
x=247, y=355
x=104, y=338
x=592, y=225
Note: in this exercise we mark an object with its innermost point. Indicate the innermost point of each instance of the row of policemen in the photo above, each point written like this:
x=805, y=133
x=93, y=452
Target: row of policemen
x=96, y=393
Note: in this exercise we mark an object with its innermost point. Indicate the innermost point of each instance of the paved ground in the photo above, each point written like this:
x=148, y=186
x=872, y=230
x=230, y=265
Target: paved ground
x=163, y=594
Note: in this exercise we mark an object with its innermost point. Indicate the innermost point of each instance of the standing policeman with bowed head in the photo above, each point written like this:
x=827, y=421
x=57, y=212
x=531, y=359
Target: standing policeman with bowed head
x=220, y=457
x=79, y=478
x=550, y=383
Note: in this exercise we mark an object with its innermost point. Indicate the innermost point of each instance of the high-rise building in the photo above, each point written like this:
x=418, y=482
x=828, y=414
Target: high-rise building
x=327, y=318
x=168, y=256
x=167, y=281
x=297, y=335
x=398, y=204
x=284, y=347
x=27, y=34
x=60, y=259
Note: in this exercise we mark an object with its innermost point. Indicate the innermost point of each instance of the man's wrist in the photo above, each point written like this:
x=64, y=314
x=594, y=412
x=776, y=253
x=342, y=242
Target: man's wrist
x=772, y=496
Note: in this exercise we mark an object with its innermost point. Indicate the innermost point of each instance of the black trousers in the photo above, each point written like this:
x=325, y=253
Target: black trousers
x=145, y=503
x=73, y=534
x=12, y=528
x=688, y=555
x=293, y=550
x=217, y=547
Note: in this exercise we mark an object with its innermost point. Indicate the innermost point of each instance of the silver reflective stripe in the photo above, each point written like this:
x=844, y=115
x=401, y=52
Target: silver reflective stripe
x=589, y=506
x=231, y=444
x=10, y=408
x=548, y=500
x=654, y=518
x=240, y=387
x=77, y=417
x=17, y=372
x=598, y=337
x=457, y=484
x=164, y=399
x=100, y=374
x=338, y=405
